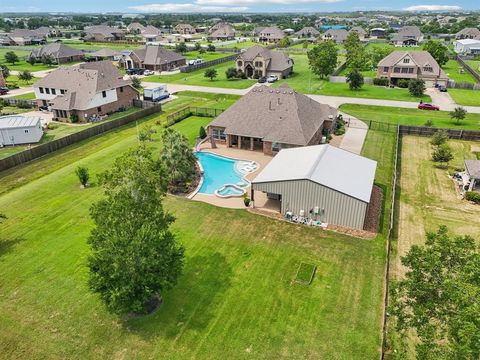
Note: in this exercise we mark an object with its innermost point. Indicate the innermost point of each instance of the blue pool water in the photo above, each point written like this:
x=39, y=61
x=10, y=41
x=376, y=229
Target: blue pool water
x=218, y=171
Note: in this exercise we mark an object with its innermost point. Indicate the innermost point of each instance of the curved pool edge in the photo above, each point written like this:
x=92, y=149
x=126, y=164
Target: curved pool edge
x=199, y=185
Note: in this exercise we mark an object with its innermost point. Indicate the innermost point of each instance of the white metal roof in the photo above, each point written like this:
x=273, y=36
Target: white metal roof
x=18, y=121
x=468, y=41
x=326, y=165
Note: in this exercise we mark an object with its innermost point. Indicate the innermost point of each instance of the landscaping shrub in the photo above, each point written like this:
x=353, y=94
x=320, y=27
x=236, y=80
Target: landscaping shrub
x=83, y=175
x=51, y=126
x=74, y=118
x=380, y=82
x=403, y=83
x=202, y=133
x=416, y=87
x=429, y=123
x=440, y=137
x=473, y=196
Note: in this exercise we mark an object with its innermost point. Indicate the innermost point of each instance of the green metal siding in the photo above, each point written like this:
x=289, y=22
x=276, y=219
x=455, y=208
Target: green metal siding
x=340, y=209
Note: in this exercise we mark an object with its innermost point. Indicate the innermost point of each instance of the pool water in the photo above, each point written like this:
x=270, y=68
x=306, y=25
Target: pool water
x=217, y=172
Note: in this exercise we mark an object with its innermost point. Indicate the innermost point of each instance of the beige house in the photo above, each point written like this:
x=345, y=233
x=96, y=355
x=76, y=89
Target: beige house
x=308, y=33
x=90, y=89
x=103, y=33
x=337, y=35
x=24, y=37
x=152, y=57
x=222, y=31
x=135, y=28
x=412, y=65
x=468, y=33
x=408, y=36
x=259, y=61
x=271, y=35
x=184, y=29
x=58, y=52
x=362, y=34
x=269, y=120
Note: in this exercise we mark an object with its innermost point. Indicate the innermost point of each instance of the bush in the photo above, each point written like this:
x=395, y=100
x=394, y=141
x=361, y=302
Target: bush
x=442, y=154
x=246, y=200
x=428, y=123
x=403, y=83
x=83, y=175
x=473, y=196
x=74, y=118
x=440, y=137
x=416, y=87
x=51, y=126
x=380, y=81
x=202, y=133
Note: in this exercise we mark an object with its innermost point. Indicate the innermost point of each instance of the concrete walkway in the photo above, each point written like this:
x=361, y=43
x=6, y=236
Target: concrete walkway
x=355, y=134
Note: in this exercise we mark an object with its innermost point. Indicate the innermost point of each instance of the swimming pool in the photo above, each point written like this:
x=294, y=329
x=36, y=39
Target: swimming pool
x=219, y=171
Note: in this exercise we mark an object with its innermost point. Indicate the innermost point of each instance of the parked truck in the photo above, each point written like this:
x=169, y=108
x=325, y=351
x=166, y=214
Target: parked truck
x=156, y=93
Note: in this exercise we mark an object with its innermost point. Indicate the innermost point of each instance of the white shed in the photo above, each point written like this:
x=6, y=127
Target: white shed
x=18, y=129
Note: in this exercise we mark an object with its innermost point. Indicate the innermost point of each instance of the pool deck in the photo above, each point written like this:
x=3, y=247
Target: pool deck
x=236, y=202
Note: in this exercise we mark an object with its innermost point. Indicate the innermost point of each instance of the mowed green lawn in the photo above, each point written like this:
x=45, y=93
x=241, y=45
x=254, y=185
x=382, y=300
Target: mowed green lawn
x=465, y=96
x=393, y=115
x=198, y=78
x=190, y=127
x=304, y=81
x=452, y=69
x=22, y=65
x=235, y=299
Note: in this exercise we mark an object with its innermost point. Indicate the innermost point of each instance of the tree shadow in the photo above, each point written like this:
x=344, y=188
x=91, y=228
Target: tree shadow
x=192, y=303
x=7, y=245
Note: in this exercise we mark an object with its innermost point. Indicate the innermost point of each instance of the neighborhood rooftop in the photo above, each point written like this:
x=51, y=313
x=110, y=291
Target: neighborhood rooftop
x=18, y=121
x=326, y=165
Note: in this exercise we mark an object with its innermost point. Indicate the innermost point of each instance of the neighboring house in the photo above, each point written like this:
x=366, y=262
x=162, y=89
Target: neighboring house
x=407, y=36
x=105, y=54
x=271, y=35
x=153, y=57
x=103, y=33
x=362, y=34
x=135, y=28
x=308, y=33
x=467, y=33
x=217, y=26
x=467, y=47
x=90, y=89
x=272, y=119
x=257, y=30
x=337, y=35
x=411, y=65
x=259, y=61
x=59, y=52
x=223, y=31
x=472, y=172
x=151, y=34
x=184, y=29
x=24, y=37
x=321, y=182
x=18, y=129
x=377, y=33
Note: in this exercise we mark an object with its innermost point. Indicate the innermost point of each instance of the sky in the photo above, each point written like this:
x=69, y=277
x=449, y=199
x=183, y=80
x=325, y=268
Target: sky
x=223, y=6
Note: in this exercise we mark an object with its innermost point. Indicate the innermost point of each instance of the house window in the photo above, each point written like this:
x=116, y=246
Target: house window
x=41, y=90
x=218, y=134
x=404, y=70
x=121, y=88
x=428, y=68
x=410, y=70
x=276, y=146
x=62, y=91
x=47, y=90
x=258, y=64
x=396, y=70
x=239, y=63
x=385, y=69
x=406, y=61
x=99, y=109
x=104, y=94
x=54, y=92
x=26, y=131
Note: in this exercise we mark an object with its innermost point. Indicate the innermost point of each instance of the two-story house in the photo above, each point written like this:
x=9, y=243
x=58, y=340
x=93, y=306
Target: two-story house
x=412, y=65
x=80, y=92
x=271, y=35
x=337, y=35
x=259, y=61
x=408, y=36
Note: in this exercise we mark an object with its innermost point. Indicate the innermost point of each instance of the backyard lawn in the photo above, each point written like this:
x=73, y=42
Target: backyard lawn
x=440, y=119
x=206, y=56
x=22, y=65
x=452, y=69
x=191, y=125
x=475, y=65
x=465, y=96
x=26, y=96
x=236, y=298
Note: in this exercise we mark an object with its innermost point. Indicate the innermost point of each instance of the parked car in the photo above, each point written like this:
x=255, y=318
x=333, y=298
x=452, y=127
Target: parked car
x=272, y=78
x=262, y=80
x=424, y=106
x=43, y=108
x=195, y=62
x=135, y=71
x=3, y=90
x=442, y=89
x=148, y=72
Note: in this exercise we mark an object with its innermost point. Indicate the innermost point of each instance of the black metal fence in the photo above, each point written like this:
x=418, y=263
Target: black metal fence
x=25, y=104
x=181, y=114
x=52, y=146
x=190, y=68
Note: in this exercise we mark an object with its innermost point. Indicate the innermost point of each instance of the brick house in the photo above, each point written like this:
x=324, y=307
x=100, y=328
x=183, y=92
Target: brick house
x=59, y=52
x=184, y=29
x=412, y=65
x=468, y=33
x=337, y=35
x=259, y=61
x=95, y=88
x=271, y=35
x=103, y=33
x=269, y=120
x=153, y=57
x=407, y=36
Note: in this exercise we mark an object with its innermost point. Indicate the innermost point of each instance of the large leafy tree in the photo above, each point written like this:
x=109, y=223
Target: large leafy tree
x=178, y=158
x=11, y=57
x=459, y=113
x=134, y=255
x=416, y=87
x=322, y=58
x=439, y=297
x=438, y=51
x=376, y=54
x=357, y=57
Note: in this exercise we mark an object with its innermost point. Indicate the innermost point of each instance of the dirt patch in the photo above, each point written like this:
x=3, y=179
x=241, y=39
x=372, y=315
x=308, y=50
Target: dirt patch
x=374, y=210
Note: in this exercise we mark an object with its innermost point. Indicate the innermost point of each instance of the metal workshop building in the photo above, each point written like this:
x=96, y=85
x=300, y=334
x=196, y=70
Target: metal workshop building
x=18, y=129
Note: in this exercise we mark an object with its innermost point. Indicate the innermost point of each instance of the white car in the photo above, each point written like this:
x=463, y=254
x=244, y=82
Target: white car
x=148, y=72
x=196, y=62
x=272, y=78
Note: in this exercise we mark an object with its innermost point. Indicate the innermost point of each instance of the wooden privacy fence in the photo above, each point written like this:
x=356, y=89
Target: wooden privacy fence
x=54, y=145
x=190, y=68
x=181, y=114
x=27, y=104
x=469, y=69
x=429, y=131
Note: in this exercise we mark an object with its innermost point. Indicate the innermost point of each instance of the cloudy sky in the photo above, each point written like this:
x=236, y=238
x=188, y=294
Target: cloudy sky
x=186, y=6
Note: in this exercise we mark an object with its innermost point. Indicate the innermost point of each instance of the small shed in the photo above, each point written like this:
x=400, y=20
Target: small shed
x=321, y=182
x=17, y=129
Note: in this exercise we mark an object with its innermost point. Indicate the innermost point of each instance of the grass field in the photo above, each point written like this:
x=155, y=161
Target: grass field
x=206, y=56
x=22, y=65
x=441, y=119
x=190, y=127
x=236, y=298
x=27, y=96
x=197, y=78
x=475, y=65
x=452, y=69
x=465, y=96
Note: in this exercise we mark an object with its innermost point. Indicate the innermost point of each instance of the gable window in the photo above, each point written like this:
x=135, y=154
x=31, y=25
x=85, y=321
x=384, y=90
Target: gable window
x=54, y=92
x=104, y=94
x=427, y=68
x=239, y=63
x=258, y=64
x=406, y=61
x=47, y=90
x=41, y=90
